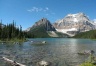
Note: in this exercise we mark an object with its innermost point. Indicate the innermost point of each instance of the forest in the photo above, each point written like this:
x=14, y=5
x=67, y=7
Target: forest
x=89, y=34
x=11, y=32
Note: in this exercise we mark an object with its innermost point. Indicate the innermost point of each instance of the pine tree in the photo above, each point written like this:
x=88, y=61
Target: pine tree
x=10, y=31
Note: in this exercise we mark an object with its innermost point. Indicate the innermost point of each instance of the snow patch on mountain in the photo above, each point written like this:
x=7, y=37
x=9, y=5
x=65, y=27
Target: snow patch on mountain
x=67, y=30
x=94, y=20
x=74, y=22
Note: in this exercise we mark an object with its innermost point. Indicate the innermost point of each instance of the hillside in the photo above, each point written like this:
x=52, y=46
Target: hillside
x=38, y=32
x=43, y=29
x=89, y=34
x=70, y=25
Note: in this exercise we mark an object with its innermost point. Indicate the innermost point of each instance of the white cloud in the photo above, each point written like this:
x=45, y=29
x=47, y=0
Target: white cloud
x=36, y=9
x=94, y=20
x=47, y=8
x=44, y=10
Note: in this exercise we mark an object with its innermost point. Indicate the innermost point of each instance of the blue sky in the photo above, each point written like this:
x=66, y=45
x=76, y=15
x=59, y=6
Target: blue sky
x=27, y=12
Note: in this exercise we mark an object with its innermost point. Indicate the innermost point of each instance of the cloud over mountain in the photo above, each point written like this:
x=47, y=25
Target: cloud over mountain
x=38, y=9
x=94, y=20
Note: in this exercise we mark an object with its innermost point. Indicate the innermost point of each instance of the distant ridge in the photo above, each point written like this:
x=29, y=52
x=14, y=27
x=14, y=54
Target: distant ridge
x=70, y=25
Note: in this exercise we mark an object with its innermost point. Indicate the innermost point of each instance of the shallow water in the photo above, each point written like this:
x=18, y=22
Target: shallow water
x=57, y=51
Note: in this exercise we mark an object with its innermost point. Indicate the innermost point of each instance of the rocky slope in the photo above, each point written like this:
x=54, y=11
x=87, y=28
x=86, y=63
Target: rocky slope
x=46, y=23
x=71, y=25
x=43, y=28
x=74, y=23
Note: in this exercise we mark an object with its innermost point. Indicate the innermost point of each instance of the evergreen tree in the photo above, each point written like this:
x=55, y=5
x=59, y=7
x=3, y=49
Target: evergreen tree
x=10, y=31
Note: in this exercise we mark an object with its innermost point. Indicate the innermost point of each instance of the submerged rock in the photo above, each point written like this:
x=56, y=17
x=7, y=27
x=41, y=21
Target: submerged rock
x=43, y=63
x=43, y=42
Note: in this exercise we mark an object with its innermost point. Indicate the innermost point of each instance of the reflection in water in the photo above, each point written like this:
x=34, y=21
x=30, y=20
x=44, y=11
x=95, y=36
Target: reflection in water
x=73, y=46
x=57, y=51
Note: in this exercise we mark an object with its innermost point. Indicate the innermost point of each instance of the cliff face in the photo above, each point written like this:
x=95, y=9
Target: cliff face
x=74, y=22
x=71, y=25
x=46, y=23
x=43, y=28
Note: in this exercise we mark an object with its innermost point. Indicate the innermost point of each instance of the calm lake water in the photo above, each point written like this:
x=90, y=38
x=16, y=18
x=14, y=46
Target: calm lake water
x=57, y=51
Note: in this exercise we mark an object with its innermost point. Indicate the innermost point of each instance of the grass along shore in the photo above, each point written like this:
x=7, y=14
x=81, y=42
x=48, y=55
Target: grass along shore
x=13, y=40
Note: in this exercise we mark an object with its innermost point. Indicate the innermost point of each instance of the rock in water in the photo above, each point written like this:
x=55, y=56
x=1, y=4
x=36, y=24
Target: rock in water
x=43, y=63
x=43, y=42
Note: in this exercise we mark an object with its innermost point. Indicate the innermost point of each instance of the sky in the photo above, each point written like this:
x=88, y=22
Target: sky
x=27, y=12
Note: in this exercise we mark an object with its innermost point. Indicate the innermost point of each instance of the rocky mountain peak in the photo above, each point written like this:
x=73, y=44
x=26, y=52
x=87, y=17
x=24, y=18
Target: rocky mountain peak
x=41, y=22
x=45, y=24
x=70, y=24
x=76, y=17
x=79, y=22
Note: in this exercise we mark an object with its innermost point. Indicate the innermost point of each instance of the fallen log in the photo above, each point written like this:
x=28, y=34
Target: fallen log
x=13, y=62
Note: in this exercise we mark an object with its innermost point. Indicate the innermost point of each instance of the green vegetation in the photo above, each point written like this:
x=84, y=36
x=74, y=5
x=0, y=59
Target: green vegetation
x=91, y=60
x=87, y=64
x=38, y=32
x=10, y=32
x=61, y=34
x=41, y=32
x=89, y=34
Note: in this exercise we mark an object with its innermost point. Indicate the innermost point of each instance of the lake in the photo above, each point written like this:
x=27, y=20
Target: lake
x=57, y=51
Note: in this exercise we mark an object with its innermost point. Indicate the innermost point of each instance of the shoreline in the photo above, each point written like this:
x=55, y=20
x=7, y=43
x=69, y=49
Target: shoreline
x=12, y=40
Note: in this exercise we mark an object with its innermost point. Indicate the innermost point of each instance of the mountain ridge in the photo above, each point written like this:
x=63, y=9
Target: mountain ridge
x=71, y=25
x=43, y=28
x=74, y=22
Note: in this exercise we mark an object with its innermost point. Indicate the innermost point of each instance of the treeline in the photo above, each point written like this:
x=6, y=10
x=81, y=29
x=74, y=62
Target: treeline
x=38, y=32
x=10, y=31
x=89, y=34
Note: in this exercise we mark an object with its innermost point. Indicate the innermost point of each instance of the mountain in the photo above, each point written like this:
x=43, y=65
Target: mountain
x=70, y=25
x=45, y=23
x=43, y=28
x=28, y=29
x=73, y=24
